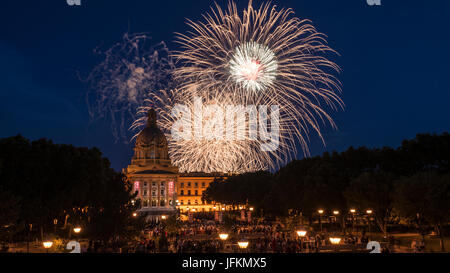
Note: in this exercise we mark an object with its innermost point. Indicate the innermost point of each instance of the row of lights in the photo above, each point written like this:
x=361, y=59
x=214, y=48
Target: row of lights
x=336, y=212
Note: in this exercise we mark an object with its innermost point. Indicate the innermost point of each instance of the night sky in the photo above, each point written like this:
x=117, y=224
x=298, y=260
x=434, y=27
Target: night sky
x=394, y=59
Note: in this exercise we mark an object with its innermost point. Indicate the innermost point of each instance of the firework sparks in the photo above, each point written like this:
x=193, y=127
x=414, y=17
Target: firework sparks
x=122, y=81
x=254, y=66
x=263, y=56
x=213, y=152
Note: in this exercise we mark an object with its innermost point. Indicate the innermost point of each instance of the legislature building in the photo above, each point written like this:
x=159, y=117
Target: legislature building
x=159, y=185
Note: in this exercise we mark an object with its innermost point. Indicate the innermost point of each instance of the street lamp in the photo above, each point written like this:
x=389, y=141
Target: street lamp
x=353, y=211
x=320, y=211
x=369, y=212
x=163, y=217
x=335, y=240
x=77, y=230
x=301, y=233
x=243, y=244
x=251, y=208
x=223, y=237
x=47, y=245
x=134, y=214
x=336, y=212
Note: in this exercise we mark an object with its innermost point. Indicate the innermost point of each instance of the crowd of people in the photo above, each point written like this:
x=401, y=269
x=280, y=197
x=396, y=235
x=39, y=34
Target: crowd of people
x=203, y=237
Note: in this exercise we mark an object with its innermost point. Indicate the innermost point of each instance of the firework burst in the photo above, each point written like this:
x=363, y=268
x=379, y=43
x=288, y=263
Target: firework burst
x=263, y=56
x=118, y=85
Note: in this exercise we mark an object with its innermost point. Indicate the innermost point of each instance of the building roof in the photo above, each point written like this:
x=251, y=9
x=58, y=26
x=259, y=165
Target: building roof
x=202, y=174
x=154, y=172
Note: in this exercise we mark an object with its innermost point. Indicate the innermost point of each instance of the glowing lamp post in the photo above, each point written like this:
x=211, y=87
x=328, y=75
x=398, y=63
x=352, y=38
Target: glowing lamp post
x=243, y=244
x=369, y=213
x=320, y=211
x=223, y=236
x=163, y=217
x=251, y=209
x=77, y=230
x=353, y=211
x=134, y=214
x=47, y=245
x=335, y=241
x=336, y=213
x=301, y=233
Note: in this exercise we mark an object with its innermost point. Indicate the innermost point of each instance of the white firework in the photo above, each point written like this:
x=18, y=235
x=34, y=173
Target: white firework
x=254, y=66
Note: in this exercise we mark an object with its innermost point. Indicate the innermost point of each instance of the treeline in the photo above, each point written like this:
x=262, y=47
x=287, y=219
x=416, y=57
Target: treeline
x=49, y=188
x=411, y=182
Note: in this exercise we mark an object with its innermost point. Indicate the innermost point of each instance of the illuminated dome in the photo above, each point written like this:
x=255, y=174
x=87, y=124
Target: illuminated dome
x=151, y=143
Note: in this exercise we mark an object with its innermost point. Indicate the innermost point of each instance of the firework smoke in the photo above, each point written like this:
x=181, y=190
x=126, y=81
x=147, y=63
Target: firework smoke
x=122, y=81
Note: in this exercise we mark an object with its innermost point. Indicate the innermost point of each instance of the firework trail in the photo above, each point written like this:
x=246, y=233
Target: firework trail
x=241, y=154
x=263, y=56
x=130, y=69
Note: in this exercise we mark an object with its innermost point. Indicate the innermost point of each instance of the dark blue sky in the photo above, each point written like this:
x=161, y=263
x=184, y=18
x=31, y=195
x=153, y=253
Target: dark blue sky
x=394, y=59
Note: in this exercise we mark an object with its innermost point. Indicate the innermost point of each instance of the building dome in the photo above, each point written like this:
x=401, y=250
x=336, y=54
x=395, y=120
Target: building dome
x=151, y=135
x=151, y=143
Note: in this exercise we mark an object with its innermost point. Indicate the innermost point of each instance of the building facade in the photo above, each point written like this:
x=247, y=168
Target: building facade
x=190, y=191
x=160, y=187
x=151, y=171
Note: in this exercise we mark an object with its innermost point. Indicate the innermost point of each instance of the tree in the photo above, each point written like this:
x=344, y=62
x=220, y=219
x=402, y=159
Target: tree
x=373, y=190
x=426, y=195
x=46, y=181
x=239, y=189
